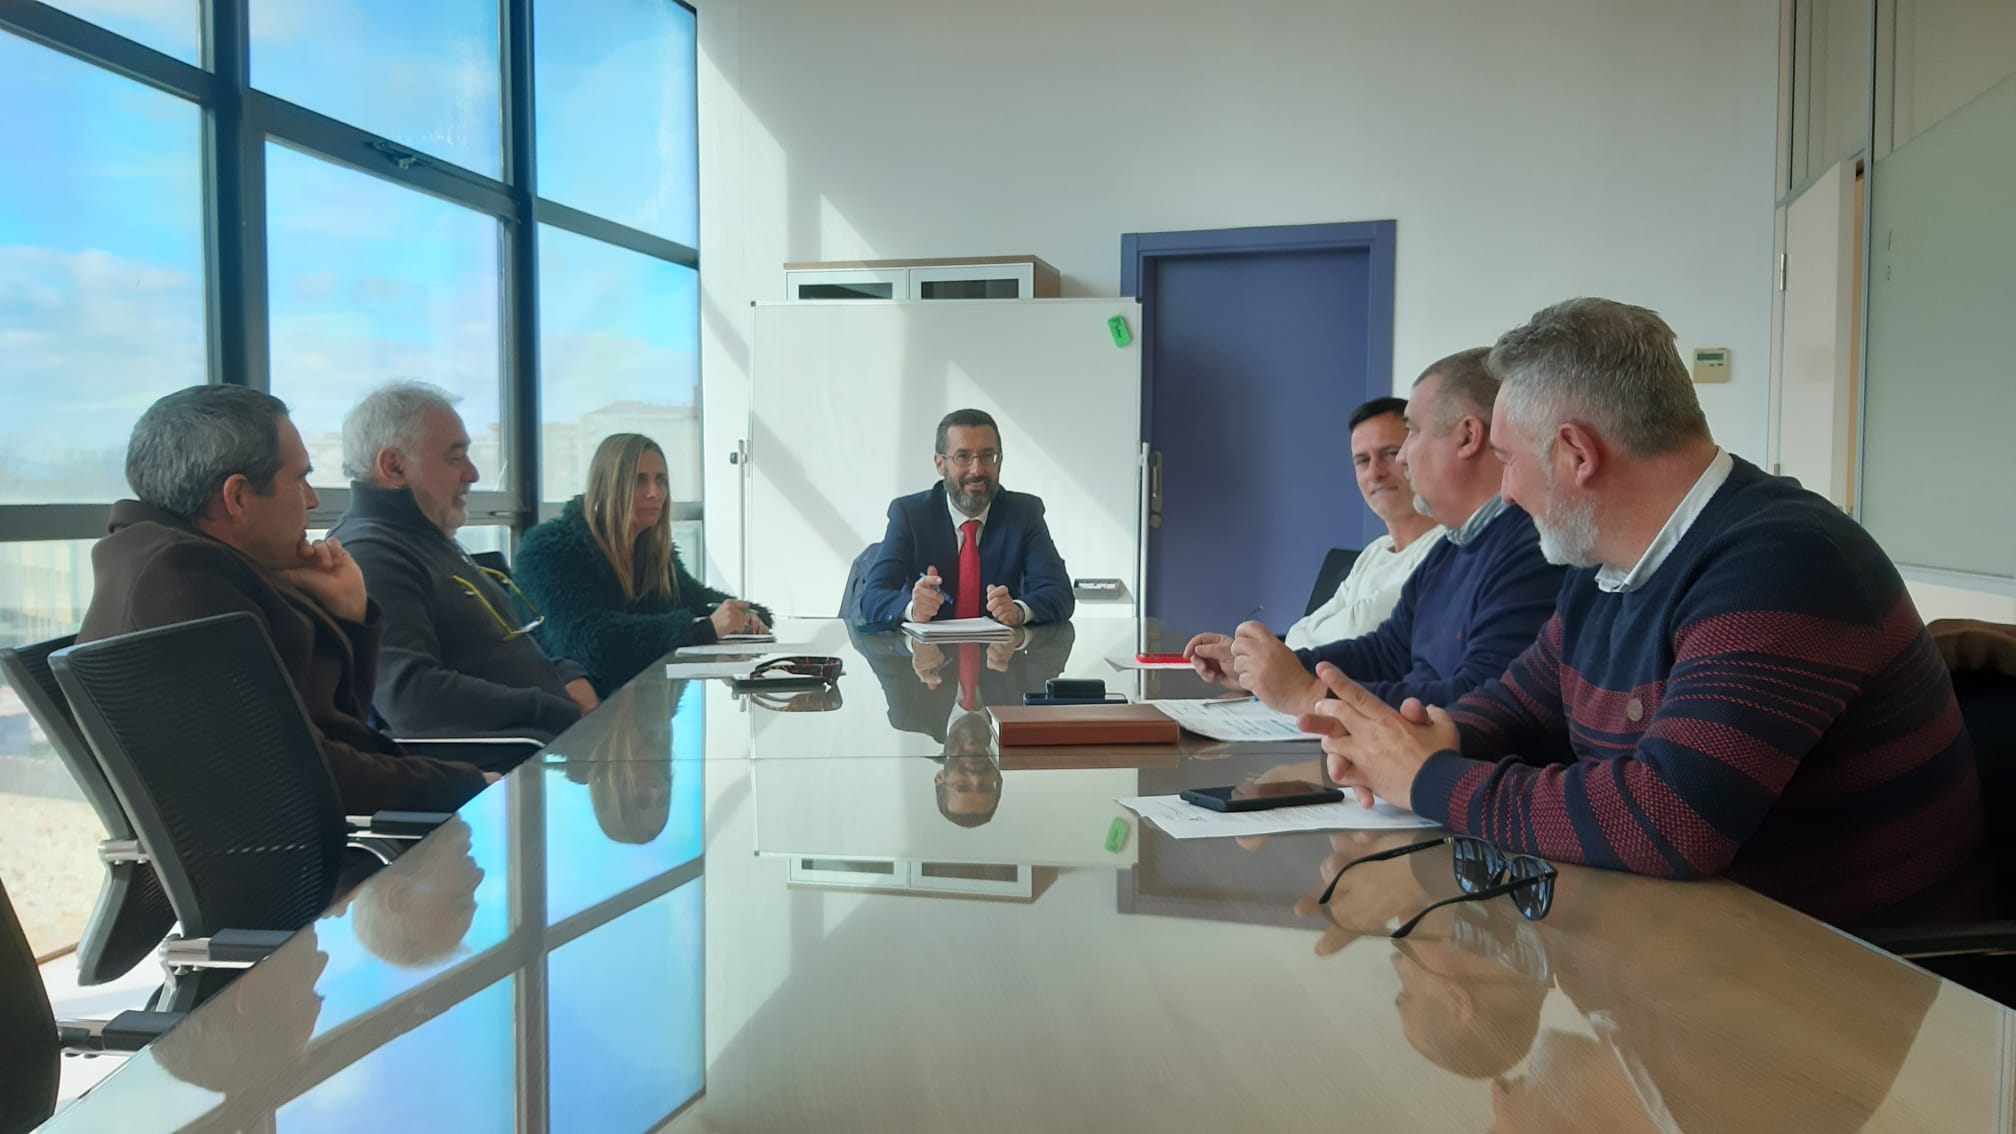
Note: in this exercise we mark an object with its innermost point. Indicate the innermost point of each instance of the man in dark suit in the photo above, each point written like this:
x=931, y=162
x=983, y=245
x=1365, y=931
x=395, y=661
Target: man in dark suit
x=221, y=526
x=967, y=548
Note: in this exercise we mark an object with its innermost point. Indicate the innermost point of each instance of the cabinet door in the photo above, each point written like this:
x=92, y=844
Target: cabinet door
x=974, y=281
x=848, y=283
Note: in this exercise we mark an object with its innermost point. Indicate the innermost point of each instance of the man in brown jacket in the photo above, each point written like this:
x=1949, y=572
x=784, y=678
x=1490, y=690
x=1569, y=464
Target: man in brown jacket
x=221, y=526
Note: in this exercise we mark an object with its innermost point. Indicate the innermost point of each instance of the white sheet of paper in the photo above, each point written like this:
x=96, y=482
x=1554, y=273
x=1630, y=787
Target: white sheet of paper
x=726, y=648
x=1188, y=821
x=1137, y=663
x=1245, y=719
x=741, y=668
x=961, y=629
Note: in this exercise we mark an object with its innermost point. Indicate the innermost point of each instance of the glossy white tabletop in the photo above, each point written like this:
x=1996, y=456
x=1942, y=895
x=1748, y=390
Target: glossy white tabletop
x=660, y=931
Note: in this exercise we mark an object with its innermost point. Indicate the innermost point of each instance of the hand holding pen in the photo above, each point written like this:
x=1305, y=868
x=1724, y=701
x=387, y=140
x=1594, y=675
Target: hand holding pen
x=927, y=596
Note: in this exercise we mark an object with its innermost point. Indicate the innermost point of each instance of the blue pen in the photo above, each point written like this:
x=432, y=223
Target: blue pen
x=922, y=574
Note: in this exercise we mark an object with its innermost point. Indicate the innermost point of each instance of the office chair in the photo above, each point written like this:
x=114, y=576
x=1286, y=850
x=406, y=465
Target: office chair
x=1336, y=564
x=1988, y=709
x=209, y=750
x=132, y=915
x=32, y=1039
x=857, y=581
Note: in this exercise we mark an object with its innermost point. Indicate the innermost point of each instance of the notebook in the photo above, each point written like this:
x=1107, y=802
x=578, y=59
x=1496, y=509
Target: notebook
x=959, y=630
x=1082, y=724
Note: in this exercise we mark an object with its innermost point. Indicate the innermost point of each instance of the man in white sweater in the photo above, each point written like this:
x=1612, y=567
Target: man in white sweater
x=1368, y=593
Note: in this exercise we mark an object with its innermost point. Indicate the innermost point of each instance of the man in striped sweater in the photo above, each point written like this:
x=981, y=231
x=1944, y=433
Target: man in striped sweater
x=1734, y=681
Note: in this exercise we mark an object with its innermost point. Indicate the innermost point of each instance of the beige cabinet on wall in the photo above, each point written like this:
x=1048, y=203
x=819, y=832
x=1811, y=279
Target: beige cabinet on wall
x=967, y=277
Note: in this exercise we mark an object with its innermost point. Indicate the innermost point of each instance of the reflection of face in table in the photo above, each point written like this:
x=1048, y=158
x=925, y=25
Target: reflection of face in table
x=243, y=1042
x=415, y=912
x=1799, y=1042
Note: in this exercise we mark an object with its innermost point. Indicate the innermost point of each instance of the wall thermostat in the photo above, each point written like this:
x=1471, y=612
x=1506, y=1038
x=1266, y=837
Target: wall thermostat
x=1711, y=364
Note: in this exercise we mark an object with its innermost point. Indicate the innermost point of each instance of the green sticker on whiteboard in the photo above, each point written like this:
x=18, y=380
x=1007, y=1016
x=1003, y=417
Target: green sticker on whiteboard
x=1117, y=325
x=1116, y=835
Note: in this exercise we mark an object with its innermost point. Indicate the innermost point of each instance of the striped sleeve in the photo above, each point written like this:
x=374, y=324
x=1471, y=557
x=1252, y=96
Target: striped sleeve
x=1765, y=661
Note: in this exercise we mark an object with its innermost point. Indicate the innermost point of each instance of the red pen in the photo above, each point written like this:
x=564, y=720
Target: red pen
x=1159, y=659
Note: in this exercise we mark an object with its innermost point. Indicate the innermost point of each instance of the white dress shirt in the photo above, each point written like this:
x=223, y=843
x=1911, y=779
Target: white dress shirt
x=1367, y=594
x=1689, y=510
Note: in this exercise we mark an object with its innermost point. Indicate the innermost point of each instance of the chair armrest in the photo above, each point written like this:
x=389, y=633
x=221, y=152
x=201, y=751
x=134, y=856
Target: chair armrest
x=528, y=741
x=128, y=1031
x=226, y=948
x=397, y=824
x=1946, y=940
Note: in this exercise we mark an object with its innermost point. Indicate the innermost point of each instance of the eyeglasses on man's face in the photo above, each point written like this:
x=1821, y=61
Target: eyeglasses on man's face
x=512, y=629
x=1482, y=870
x=988, y=459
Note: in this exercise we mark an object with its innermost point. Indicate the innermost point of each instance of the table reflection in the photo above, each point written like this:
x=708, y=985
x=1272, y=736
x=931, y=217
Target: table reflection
x=1643, y=980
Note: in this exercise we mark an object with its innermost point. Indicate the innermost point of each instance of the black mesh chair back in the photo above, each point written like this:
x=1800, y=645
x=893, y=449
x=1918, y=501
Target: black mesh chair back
x=207, y=744
x=494, y=560
x=1988, y=706
x=857, y=581
x=29, y=1054
x=132, y=915
x=1336, y=564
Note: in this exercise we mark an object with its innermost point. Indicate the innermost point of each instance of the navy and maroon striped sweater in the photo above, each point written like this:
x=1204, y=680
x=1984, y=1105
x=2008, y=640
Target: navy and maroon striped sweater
x=1767, y=706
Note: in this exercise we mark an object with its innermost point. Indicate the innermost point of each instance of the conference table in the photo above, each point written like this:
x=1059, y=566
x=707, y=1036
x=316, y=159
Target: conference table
x=699, y=912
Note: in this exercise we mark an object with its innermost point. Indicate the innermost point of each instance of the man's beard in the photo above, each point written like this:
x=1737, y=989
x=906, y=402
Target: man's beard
x=1567, y=531
x=973, y=503
x=1421, y=505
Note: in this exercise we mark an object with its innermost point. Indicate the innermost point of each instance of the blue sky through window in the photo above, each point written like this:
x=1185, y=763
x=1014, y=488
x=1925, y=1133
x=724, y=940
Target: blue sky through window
x=101, y=269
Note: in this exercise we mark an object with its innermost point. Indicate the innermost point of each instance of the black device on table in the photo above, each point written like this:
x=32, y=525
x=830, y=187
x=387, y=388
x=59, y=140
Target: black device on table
x=1260, y=797
x=1073, y=691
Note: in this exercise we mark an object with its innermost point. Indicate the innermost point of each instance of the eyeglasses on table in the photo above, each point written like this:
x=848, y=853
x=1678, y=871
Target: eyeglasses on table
x=1482, y=870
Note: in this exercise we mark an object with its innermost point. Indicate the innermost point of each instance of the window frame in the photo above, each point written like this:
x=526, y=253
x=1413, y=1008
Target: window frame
x=238, y=121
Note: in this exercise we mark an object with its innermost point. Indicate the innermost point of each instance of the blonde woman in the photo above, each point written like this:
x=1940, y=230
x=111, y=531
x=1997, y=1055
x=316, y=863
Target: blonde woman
x=608, y=578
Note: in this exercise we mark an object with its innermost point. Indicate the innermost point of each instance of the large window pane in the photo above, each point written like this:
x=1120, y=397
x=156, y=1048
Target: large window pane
x=618, y=353
x=369, y=282
x=426, y=74
x=615, y=117
x=101, y=269
x=1941, y=387
x=172, y=27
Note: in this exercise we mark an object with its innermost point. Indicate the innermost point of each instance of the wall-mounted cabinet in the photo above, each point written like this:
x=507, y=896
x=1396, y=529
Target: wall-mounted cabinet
x=971, y=277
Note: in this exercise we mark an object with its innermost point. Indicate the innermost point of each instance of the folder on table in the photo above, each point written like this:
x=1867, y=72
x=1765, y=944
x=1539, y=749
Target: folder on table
x=1082, y=724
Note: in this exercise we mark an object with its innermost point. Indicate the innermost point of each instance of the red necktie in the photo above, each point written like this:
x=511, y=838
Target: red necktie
x=969, y=675
x=968, y=605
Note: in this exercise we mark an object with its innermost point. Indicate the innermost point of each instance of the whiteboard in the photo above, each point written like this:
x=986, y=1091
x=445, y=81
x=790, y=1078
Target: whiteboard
x=844, y=404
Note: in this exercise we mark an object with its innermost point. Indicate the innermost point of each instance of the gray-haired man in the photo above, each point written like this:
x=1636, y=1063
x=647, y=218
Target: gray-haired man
x=456, y=659
x=221, y=526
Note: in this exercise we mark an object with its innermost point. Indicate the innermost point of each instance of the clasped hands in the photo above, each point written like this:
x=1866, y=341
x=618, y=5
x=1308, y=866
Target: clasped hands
x=1370, y=747
x=927, y=597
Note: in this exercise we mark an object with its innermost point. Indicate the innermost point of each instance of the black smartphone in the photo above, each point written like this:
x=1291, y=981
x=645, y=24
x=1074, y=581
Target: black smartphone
x=1260, y=797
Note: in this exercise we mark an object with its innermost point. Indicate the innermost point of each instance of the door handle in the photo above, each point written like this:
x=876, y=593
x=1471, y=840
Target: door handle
x=1155, y=488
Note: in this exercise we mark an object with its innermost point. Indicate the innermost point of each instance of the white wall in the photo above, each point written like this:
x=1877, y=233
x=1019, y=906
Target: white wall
x=1529, y=150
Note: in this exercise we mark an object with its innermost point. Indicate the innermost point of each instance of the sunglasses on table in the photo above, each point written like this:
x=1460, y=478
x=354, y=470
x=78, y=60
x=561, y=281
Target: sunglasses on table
x=509, y=626
x=1482, y=870
x=826, y=669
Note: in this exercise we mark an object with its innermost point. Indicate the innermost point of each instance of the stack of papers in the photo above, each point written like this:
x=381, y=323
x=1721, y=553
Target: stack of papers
x=741, y=666
x=1244, y=719
x=729, y=648
x=959, y=630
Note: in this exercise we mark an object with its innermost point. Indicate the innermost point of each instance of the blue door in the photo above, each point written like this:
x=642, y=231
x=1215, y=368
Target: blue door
x=1258, y=344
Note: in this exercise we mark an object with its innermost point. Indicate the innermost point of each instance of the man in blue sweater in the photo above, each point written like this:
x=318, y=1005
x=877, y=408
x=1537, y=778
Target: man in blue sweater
x=1467, y=611
x=1735, y=681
